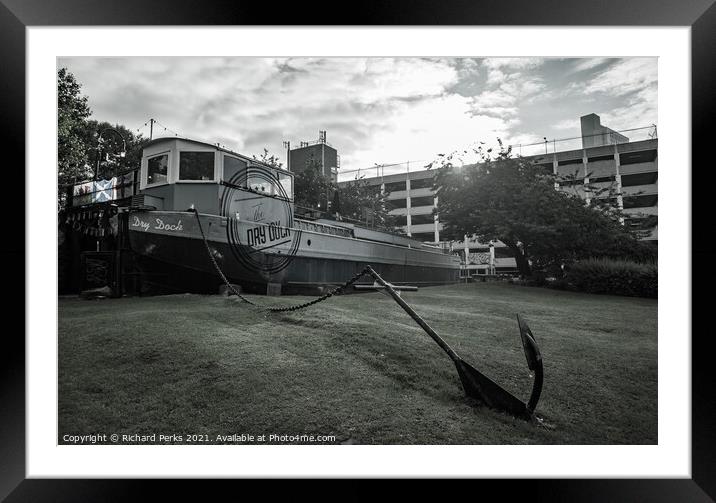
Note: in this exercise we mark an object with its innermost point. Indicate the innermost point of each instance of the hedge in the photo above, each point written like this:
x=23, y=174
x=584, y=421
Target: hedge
x=615, y=277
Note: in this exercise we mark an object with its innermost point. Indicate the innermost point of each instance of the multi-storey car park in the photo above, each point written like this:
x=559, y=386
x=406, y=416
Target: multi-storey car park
x=605, y=159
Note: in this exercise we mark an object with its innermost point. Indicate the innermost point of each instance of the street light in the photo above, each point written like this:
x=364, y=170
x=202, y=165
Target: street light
x=122, y=154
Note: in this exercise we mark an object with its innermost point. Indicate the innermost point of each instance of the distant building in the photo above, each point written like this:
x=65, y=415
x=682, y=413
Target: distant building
x=631, y=168
x=319, y=152
x=596, y=135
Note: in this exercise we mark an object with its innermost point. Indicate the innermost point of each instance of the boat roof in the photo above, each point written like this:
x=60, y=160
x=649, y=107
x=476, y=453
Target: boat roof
x=212, y=145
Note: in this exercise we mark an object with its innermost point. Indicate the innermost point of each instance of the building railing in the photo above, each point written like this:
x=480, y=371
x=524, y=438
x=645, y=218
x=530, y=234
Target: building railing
x=523, y=149
x=304, y=144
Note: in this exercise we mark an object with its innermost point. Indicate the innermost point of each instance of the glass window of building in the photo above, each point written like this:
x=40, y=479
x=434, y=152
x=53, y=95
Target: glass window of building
x=396, y=203
x=394, y=186
x=422, y=201
x=421, y=183
x=422, y=219
x=157, y=169
x=196, y=166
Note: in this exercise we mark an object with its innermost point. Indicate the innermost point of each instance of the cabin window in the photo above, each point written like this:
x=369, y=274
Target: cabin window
x=234, y=171
x=286, y=182
x=258, y=182
x=157, y=169
x=196, y=166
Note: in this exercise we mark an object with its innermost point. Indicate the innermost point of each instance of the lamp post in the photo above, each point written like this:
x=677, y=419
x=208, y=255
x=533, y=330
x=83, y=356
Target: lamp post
x=122, y=154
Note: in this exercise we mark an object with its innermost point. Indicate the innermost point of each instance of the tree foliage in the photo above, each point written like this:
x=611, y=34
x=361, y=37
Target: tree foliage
x=514, y=201
x=311, y=189
x=111, y=146
x=361, y=201
x=72, y=114
x=356, y=201
x=81, y=141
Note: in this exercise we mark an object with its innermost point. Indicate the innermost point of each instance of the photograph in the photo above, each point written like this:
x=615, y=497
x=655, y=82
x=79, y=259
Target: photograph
x=378, y=250
x=420, y=242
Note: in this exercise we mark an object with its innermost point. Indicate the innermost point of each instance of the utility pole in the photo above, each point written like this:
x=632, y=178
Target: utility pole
x=151, y=128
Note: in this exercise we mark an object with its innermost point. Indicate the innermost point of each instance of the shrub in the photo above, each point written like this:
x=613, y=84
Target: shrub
x=615, y=277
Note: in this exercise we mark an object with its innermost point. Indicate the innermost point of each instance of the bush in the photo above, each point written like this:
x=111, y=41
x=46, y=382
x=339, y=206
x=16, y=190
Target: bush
x=615, y=277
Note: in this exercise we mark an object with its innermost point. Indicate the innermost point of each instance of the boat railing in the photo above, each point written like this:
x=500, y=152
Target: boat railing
x=308, y=213
x=334, y=230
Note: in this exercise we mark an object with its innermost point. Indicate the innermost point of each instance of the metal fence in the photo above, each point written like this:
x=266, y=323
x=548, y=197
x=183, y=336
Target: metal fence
x=523, y=149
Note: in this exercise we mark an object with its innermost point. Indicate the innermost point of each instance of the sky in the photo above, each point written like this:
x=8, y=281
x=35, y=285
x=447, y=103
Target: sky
x=375, y=110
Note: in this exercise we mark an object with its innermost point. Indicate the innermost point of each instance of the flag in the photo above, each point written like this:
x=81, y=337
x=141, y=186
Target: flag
x=104, y=190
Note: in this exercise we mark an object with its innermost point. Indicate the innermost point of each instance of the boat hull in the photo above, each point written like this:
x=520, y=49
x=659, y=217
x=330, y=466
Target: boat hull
x=302, y=260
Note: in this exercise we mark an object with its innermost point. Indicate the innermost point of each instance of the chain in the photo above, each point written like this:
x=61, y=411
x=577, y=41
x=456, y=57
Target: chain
x=323, y=297
x=216, y=265
x=296, y=307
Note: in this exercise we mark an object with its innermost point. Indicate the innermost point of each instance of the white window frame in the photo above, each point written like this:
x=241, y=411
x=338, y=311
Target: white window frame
x=145, y=170
x=177, y=173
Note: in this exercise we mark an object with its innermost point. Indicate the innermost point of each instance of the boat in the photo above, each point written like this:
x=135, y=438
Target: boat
x=201, y=210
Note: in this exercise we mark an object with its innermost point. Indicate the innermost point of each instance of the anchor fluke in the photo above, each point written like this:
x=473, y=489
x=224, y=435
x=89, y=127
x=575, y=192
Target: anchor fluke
x=477, y=385
x=534, y=362
x=483, y=389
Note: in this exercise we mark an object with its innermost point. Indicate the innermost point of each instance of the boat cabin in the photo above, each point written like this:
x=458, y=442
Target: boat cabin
x=178, y=173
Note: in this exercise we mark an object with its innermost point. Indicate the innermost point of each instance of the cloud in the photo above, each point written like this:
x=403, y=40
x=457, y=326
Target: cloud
x=375, y=110
x=375, y=106
x=636, y=81
x=582, y=64
x=624, y=77
x=508, y=86
x=567, y=124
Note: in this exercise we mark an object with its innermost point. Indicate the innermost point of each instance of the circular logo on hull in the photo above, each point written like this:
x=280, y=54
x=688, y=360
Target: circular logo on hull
x=259, y=226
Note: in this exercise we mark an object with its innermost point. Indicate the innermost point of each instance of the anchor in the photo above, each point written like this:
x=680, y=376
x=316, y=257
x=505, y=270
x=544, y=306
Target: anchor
x=477, y=385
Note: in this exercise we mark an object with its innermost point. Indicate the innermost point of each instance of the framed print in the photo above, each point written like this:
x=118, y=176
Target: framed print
x=483, y=183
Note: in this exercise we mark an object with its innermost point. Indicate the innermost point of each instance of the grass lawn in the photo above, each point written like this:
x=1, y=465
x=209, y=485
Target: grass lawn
x=358, y=367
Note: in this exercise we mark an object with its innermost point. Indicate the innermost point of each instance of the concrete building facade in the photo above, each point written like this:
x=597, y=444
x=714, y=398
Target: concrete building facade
x=594, y=134
x=630, y=168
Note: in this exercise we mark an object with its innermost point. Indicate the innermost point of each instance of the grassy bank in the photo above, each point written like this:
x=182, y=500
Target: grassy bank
x=357, y=367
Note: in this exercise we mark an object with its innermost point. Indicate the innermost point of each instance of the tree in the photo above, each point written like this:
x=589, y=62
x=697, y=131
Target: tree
x=111, y=162
x=364, y=202
x=514, y=201
x=72, y=114
x=312, y=189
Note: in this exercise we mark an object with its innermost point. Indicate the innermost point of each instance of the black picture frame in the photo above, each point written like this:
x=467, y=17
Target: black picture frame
x=700, y=15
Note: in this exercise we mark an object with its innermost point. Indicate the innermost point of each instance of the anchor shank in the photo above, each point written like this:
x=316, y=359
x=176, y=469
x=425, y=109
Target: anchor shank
x=389, y=288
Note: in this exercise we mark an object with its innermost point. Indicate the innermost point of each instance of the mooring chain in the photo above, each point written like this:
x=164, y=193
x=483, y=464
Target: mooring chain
x=296, y=307
x=216, y=265
x=323, y=297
